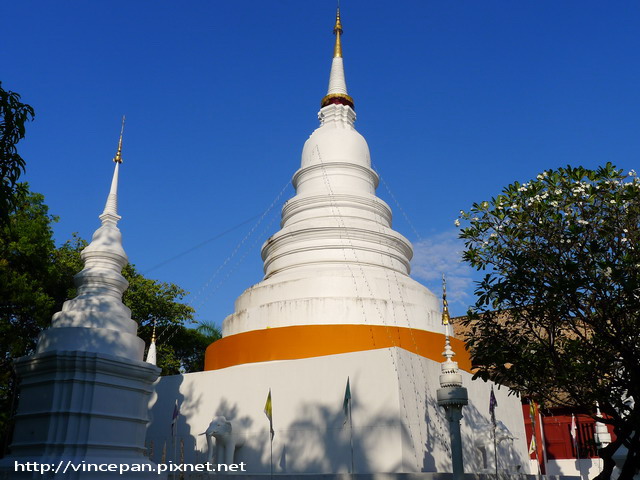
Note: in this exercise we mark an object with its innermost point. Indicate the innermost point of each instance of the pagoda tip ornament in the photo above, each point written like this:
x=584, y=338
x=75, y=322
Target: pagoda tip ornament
x=451, y=395
x=110, y=213
x=446, y=318
x=118, y=157
x=337, y=93
x=337, y=31
x=451, y=376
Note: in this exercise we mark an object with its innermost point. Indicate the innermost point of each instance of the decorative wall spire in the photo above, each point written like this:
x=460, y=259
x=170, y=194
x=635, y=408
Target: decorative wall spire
x=337, y=93
x=151, y=354
x=450, y=372
x=446, y=319
x=451, y=395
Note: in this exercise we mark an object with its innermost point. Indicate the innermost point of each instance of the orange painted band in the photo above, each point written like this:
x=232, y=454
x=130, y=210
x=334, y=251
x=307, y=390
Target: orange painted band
x=308, y=341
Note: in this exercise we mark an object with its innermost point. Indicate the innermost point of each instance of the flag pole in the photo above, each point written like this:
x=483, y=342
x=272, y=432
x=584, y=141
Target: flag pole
x=268, y=411
x=174, y=430
x=493, y=403
x=346, y=409
x=533, y=450
x=534, y=438
x=536, y=452
x=495, y=446
x=576, y=446
x=175, y=449
x=175, y=445
x=351, y=437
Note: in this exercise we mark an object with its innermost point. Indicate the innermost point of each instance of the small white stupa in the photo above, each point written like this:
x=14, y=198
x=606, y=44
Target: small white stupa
x=152, y=353
x=84, y=393
x=336, y=302
x=452, y=395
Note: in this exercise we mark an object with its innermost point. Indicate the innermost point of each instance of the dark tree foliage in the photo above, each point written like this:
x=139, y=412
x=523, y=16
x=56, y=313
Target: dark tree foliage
x=557, y=316
x=13, y=116
x=29, y=287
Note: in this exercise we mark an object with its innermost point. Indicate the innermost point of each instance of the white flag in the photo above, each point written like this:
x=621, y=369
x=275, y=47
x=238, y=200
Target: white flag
x=574, y=434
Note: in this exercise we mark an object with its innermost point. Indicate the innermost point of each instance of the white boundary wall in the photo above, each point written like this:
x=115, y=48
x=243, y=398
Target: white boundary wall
x=397, y=426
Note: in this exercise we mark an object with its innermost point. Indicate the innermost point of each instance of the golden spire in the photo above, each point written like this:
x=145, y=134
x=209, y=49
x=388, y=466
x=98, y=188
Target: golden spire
x=153, y=335
x=337, y=31
x=337, y=93
x=446, y=319
x=118, y=157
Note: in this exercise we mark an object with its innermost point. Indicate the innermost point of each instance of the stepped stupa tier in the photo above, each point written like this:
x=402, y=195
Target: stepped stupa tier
x=336, y=260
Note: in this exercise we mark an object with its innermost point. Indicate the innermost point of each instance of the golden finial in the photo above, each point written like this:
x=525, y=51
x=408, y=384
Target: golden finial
x=446, y=319
x=118, y=157
x=337, y=30
x=153, y=335
x=337, y=93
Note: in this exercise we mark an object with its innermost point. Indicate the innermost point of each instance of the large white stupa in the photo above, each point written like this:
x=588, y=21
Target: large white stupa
x=336, y=303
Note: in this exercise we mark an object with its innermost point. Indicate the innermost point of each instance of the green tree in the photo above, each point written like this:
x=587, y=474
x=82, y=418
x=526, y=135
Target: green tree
x=28, y=279
x=13, y=116
x=557, y=313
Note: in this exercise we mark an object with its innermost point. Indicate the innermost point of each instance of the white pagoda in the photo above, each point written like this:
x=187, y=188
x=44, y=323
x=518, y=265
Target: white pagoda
x=336, y=302
x=84, y=393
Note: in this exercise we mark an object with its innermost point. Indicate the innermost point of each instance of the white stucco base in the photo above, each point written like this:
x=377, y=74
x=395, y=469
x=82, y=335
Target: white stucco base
x=80, y=408
x=397, y=426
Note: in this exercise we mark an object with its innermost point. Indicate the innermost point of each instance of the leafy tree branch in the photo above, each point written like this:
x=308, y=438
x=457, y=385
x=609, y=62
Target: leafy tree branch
x=557, y=315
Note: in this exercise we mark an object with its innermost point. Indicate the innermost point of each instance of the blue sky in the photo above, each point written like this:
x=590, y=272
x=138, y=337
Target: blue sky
x=457, y=99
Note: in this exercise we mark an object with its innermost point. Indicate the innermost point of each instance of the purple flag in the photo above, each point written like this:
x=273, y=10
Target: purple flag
x=493, y=403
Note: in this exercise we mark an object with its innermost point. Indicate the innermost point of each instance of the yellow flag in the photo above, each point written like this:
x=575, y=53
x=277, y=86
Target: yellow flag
x=268, y=411
x=533, y=411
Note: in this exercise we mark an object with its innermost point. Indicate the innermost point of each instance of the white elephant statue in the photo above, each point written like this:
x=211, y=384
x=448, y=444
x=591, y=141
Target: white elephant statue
x=227, y=439
x=483, y=441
